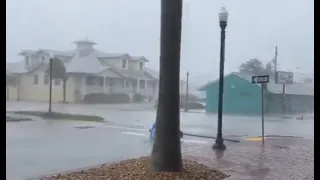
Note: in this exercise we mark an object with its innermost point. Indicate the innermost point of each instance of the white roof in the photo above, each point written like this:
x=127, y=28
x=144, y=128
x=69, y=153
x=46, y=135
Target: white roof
x=85, y=64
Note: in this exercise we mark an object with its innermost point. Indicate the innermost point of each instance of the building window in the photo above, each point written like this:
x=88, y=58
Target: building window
x=27, y=60
x=89, y=80
x=43, y=58
x=36, y=79
x=111, y=82
x=46, y=79
x=101, y=81
x=141, y=66
x=142, y=84
x=124, y=83
x=127, y=84
x=150, y=84
x=57, y=82
x=124, y=63
x=107, y=81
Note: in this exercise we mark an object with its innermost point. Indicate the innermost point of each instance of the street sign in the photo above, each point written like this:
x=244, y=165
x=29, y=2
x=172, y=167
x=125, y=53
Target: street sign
x=260, y=79
x=283, y=77
x=263, y=80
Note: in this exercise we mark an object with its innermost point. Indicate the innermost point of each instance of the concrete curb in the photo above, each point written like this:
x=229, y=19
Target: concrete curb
x=211, y=137
x=279, y=136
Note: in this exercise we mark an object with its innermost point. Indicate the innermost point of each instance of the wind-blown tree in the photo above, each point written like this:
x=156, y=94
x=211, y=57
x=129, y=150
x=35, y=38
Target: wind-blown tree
x=59, y=72
x=256, y=67
x=166, y=151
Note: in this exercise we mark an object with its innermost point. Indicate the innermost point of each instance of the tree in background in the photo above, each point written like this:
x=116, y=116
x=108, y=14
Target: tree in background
x=256, y=67
x=59, y=72
x=166, y=151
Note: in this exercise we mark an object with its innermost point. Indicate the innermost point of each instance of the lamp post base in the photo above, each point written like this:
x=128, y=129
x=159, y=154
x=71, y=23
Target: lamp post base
x=219, y=146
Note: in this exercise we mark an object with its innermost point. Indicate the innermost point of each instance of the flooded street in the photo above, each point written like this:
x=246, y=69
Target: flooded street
x=41, y=147
x=191, y=122
x=37, y=148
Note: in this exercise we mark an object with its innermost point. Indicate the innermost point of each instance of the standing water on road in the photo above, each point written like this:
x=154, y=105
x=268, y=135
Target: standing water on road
x=191, y=122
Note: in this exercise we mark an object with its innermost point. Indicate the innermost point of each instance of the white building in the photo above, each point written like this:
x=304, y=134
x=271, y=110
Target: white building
x=88, y=70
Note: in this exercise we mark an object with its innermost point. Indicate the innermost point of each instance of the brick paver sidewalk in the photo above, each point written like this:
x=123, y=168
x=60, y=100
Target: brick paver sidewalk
x=279, y=159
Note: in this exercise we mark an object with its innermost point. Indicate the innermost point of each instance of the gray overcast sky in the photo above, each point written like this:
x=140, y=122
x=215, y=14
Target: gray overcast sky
x=133, y=26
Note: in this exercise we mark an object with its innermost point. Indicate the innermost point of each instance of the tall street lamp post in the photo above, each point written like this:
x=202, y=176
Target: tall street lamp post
x=223, y=18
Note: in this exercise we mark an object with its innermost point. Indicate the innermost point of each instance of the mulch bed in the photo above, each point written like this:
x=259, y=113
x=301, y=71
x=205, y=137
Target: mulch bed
x=134, y=169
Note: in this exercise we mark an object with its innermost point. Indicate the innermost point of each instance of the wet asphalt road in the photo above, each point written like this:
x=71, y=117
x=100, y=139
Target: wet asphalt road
x=44, y=147
x=142, y=116
x=37, y=148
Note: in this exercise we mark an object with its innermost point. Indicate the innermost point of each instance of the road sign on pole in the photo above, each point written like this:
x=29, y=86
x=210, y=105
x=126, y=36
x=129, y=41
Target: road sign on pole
x=262, y=111
x=283, y=77
x=261, y=80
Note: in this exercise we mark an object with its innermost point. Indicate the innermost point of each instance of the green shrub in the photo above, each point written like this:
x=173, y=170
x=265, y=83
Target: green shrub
x=114, y=98
x=138, y=97
x=192, y=105
x=64, y=116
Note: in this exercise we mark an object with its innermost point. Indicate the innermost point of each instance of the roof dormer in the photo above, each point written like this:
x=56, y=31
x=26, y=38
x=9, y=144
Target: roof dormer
x=84, y=47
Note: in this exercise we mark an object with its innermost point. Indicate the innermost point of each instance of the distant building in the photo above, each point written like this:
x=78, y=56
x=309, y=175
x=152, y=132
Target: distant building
x=242, y=97
x=88, y=70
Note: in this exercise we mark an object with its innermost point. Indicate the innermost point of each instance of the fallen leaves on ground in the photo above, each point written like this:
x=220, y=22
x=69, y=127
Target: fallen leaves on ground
x=138, y=169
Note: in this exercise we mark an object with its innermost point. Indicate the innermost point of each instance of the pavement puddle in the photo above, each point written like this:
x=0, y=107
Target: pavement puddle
x=182, y=140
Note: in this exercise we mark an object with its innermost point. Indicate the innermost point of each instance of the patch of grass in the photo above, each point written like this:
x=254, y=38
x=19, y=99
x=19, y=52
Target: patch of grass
x=61, y=116
x=13, y=119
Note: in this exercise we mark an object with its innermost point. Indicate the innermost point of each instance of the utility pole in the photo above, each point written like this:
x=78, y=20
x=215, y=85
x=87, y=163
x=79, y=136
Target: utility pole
x=275, y=62
x=187, y=94
x=283, y=85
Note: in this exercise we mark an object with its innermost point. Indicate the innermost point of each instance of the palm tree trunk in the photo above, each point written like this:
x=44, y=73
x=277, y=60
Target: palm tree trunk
x=166, y=151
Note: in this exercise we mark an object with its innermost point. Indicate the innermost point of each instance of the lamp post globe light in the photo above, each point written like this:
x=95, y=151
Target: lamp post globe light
x=223, y=18
x=51, y=57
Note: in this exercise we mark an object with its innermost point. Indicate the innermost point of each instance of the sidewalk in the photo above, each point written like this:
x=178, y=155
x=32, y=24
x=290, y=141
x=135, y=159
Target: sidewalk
x=280, y=159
